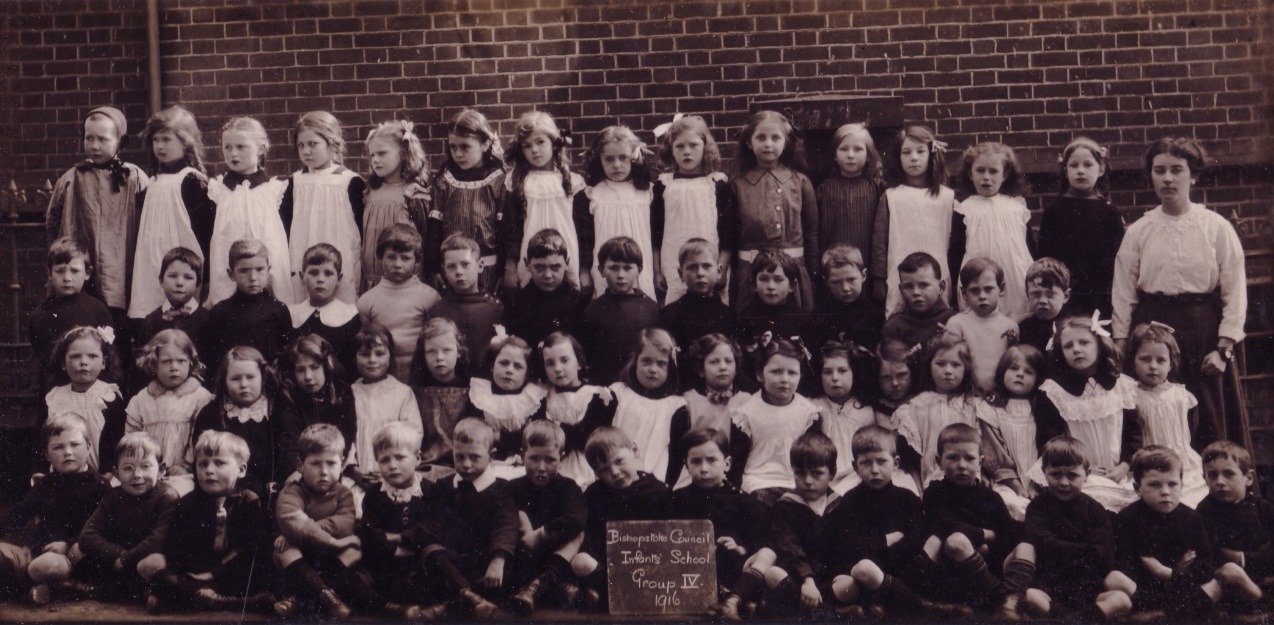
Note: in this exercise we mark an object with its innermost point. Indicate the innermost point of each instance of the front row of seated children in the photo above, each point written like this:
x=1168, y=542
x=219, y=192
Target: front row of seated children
x=473, y=542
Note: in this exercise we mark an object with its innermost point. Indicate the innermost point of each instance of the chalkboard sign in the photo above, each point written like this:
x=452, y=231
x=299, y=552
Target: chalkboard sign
x=661, y=567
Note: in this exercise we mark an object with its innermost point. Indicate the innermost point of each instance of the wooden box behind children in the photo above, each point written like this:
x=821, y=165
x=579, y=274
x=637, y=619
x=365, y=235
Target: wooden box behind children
x=661, y=567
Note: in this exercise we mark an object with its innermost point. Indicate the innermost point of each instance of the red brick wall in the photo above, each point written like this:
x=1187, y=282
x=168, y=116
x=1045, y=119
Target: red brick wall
x=1029, y=74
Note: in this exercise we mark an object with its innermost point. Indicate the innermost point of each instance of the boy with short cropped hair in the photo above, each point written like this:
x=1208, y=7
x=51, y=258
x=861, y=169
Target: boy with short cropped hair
x=252, y=316
x=1073, y=539
x=321, y=312
x=700, y=311
x=611, y=323
x=621, y=493
x=552, y=515
x=1240, y=523
x=921, y=283
x=1048, y=289
x=67, y=306
x=317, y=548
x=121, y=541
x=59, y=504
x=551, y=301
x=400, y=301
x=1163, y=551
x=180, y=276
x=969, y=531
x=471, y=529
x=739, y=520
x=843, y=313
x=213, y=558
x=473, y=310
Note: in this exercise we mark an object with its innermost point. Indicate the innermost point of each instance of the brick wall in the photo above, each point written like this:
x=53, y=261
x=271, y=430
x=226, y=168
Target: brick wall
x=1029, y=74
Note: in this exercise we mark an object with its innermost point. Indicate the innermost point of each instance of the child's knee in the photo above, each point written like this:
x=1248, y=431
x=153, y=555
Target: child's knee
x=568, y=551
x=760, y=561
x=867, y=573
x=583, y=565
x=1024, y=551
x=774, y=576
x=49, y=566
x=1037, y=601
x=958, y=547
x=1118, y=581
x=844, y=588
x=75, y=554
x=1114, y=602
x=151, y=564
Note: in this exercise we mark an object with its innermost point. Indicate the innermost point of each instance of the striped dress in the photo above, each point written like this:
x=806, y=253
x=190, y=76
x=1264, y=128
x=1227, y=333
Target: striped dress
x=847, y=212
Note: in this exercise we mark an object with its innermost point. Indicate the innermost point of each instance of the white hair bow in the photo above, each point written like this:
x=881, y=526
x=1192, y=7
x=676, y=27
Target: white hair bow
x=662, y=129
x=108, y=334
x=1095, y=325
x=500, y=335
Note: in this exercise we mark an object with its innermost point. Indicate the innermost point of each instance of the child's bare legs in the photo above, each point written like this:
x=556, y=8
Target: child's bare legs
x=864, y=574
x=1233, y=576
x=1117, y=599
x=748, y=586
x=1019, y=572
x=150, y=565
x=556, y=572
x=50, y=566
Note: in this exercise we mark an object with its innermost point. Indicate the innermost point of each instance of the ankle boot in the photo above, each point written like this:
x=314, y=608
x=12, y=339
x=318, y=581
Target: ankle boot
x=333, y=604
x=401, y=612
x=434, y=612
x=482, y=609
x=522, y=603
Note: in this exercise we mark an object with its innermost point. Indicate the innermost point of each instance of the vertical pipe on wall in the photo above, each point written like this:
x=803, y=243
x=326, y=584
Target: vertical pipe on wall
x=152, y=55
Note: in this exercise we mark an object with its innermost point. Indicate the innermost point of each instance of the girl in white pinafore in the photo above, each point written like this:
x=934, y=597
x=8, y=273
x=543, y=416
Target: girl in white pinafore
x=248, y=203
x=621, y=210
x=324, y=203
x=992, y=221
x=174, y=144
x=648, y=406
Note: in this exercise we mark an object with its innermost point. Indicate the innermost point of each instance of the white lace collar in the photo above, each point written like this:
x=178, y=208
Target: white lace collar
x=1094, y=403
x=505, y=409
x=256, y=412
x=402, y=495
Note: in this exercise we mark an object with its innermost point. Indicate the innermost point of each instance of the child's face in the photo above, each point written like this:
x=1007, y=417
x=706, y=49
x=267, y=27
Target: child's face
x=547, y=273
x=542, y=462
x=1020, y=378
x=167, y=147
x=1152, y=363
x=1066, y=482
x=441, y=354
x=398, y=267
x=101, y=139
x=773, y=286
x=707, y=465
x=719, y=368
x=1171, y=178
x=838, y=379
x=895, y=380
x=983, y=294
x=180, y=283
x=372, y=362
x=1046, y=302
x=845, y=283
x=68, y=451
x=537, y=149
x=219, y=473
x=251, y=275
x=780, y=377
x=471, y=459
x=876, y=468
x=1079, y=348
x=466, y=152
x=320, y=282
x=83, y=363
x=313, y=149
x=700, y=272
x=386, y=158
x=509, y=370
x=243, y=382
x=138, y=474
x=619, y=470
x=851, y=156
x=461, y=269
x=621, y=277
x=561, y=366
x=652, y=368
x=1161, y=490
x=397, y=465
x=1227, y=482
x=172, y=366
x=241, y=152
x=687, y=148
x=321, y=471
x=947, y=369
x=311, y=377
x=921, y=289
x=987, y=174
x=961, y=463
x=915, y=160
x=812, y=482
x=1083, y=171
x=767, y=143
x=69, y=278
x=617, y=161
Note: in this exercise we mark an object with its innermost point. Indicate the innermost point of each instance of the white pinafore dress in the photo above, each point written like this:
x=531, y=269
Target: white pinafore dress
x=996, y=228
x=165, y=224
x=620, y=210
x=322, y=214
x=918, y=222
x=647, y=422
x=690, y=211
x=548, y=207
x=244, y=213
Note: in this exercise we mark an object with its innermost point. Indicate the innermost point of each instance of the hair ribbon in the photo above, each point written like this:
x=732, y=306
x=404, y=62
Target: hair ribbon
x=640, y=151
x=1162, y=326
x=662, y=129
x=501, y=335
x=939, y=146
x=566, y=135
x=1095, y=325
x=108, y=334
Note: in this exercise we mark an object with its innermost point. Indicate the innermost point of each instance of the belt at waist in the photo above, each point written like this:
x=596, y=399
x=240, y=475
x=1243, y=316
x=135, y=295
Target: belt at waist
x=750, y=255
x=1180, y=298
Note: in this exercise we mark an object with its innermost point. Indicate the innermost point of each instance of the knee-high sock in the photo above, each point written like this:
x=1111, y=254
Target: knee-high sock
x=987, y=586
x=1018, y=575
x=305, y=577
x=441, y=564
x=749, y=585
x=350, y=585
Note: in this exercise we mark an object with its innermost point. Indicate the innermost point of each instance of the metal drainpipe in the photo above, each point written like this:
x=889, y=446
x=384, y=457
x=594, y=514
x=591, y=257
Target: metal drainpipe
x=152, y=55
